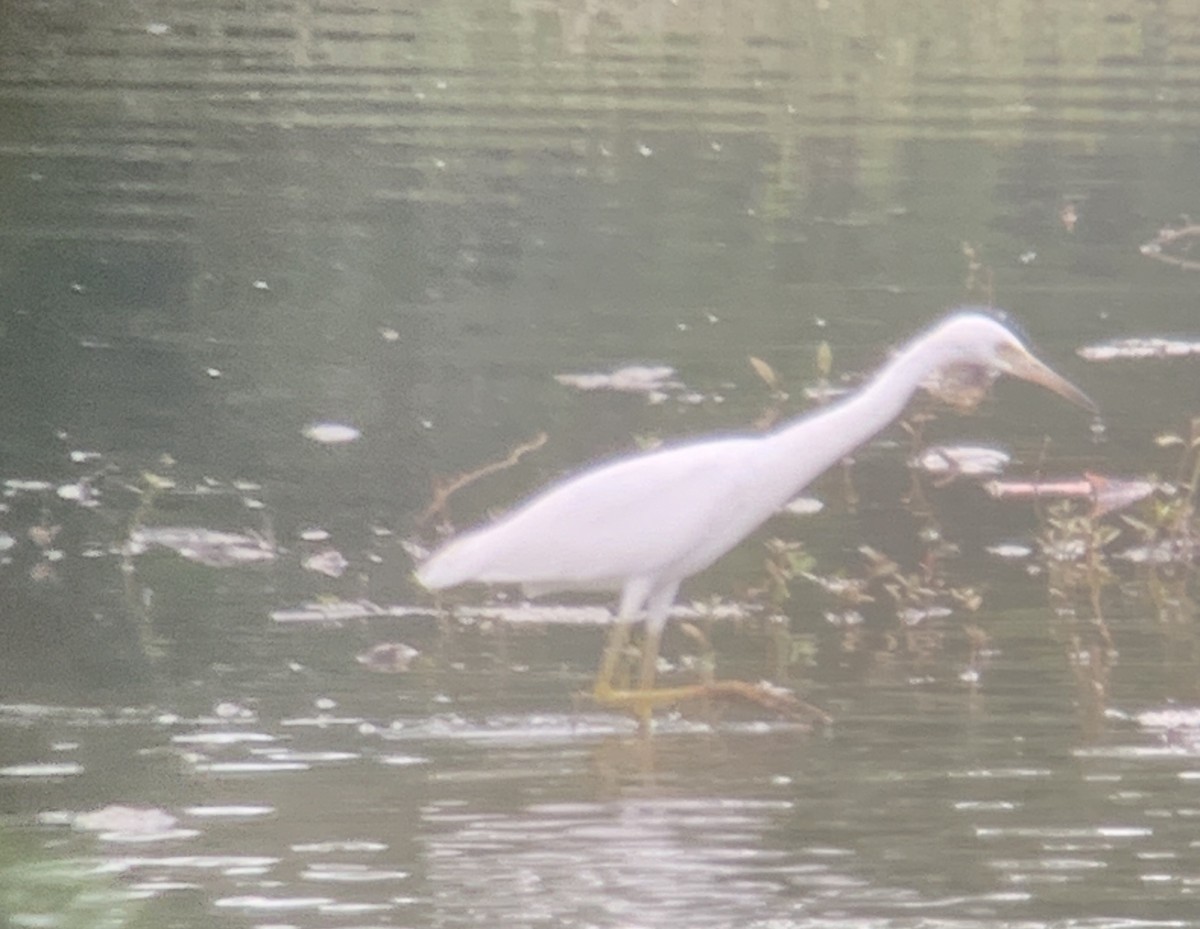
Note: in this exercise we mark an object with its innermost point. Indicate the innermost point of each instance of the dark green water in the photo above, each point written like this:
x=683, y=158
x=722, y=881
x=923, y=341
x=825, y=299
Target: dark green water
x=223, y=223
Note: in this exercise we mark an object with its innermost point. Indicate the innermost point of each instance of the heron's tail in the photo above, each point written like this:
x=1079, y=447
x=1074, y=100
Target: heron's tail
x=456, y=562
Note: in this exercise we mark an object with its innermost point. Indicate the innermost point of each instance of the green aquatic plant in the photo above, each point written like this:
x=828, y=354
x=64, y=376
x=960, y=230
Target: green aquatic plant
x=1073, y=544
x=1167, y=532
x=38, y=889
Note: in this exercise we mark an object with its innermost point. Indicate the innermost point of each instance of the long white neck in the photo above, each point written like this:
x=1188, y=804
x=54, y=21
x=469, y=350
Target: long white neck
x=806, y=446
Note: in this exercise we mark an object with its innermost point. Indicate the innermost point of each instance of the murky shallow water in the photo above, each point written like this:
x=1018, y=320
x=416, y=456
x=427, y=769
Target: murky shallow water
x=270, y=271
x=401, y=800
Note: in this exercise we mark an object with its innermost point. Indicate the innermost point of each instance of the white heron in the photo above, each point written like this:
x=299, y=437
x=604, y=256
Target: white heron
x=642, y=523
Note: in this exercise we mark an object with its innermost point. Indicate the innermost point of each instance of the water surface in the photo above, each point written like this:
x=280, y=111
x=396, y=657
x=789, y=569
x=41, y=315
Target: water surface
x=229, y=229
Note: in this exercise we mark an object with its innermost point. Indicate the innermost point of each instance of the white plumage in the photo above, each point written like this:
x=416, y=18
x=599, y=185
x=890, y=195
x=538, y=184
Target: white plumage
x=642, y=523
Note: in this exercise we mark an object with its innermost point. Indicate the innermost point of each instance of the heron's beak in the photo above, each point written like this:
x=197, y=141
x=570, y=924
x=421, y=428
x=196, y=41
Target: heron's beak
x=1025, y=366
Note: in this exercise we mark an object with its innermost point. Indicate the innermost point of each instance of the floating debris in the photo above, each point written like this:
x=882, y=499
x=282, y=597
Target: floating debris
x=804, y=506
x=73, y=715
x=1139, y=348
x=912, y=615
x=1112, y=494
x=335, y=611
x=1010, y=550
x=43, y=535
x=1171, y=717
x=522, y=613
x=14, y=486
x=118, y=821
x=204, y=546
x=1157, y=247
x=1177, y=551
x=1107, y=494
x=94, y=343
x=953, y=461
x=230, y=810
x=48, y=769
x=388, y=657
x=824, y=393
x=849, y=590
x=331, y=433
x=330, y=562
x=221, y=739
x=577, y=615
x=249, y=767
x=844, y=618
x=1065, y=551
x=156, y=482
x=346, y=873
x=653, y=381
x=766, y=373
x=1068, y=215
x=401, y=761
x=80, y=492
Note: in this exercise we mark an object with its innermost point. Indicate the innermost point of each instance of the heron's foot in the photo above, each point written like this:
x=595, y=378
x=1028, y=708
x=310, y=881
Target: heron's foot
x=770, y=697
x=642, y=702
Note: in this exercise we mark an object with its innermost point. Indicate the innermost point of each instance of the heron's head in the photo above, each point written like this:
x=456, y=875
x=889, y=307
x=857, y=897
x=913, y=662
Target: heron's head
x=971, y=348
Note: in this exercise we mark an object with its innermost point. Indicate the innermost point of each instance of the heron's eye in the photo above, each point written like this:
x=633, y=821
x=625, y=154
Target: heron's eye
x=1005, y=351
x=962, y=385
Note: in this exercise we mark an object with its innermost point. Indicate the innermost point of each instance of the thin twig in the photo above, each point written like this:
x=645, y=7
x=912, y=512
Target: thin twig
x=769, y=697
x=444, y=489
x=1154, y=248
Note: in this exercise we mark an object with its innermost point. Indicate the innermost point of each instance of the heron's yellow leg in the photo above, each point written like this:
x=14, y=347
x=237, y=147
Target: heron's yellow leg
x=650, y=645
x=643, y=700
x=614, y=650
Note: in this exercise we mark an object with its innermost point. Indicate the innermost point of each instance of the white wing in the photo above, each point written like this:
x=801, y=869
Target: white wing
x=665, y=514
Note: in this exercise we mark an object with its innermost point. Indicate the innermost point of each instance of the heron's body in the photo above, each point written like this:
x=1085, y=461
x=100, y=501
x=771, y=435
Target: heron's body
x=643, y=523
x=528, y=546
x=665, y=515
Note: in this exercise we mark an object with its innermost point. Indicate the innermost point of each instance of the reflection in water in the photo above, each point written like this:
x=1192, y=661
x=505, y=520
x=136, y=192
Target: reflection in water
x=268, y=268
x=529, y=820
x=660, y=861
